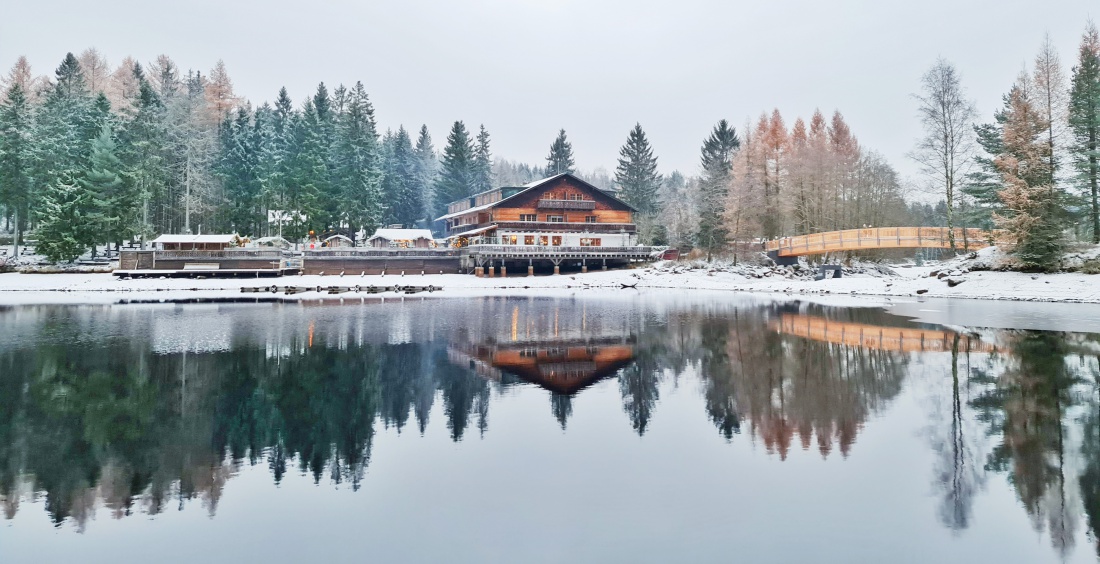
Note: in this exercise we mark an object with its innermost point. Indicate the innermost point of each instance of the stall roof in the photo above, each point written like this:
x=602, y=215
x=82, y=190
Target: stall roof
x=181, y=239
x=472, y=232
x=392, y=234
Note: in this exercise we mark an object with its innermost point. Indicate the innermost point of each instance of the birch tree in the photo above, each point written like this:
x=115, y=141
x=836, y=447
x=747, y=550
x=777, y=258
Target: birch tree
x=947, y=116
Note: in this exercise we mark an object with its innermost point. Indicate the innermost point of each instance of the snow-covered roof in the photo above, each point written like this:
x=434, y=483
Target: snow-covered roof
x=391, y=234
x=472, y=232
x=468, y=210
x=183, y=239
x=338, y=236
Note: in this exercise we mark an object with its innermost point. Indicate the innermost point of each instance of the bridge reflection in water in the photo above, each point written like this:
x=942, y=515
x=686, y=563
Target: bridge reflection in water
x=897, y=339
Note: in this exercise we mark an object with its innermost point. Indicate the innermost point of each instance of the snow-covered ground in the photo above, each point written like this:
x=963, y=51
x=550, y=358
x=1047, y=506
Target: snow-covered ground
x=958, y=281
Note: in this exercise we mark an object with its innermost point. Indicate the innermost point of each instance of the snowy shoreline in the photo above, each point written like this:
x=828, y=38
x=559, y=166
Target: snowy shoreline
x=905, y=282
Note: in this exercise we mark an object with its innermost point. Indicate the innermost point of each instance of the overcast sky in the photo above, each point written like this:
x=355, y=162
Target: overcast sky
x=594, y=67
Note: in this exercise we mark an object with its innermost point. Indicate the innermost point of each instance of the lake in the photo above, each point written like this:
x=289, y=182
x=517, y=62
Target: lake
x=603, y=427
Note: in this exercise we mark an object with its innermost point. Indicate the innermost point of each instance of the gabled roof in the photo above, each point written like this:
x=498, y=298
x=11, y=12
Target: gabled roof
x=392, y=234
x=181, y=239
x=535, y=185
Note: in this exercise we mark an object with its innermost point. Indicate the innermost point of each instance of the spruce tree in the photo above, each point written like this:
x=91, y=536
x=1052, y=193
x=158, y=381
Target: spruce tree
x=142, y=151
x=426, y=170
x=636, y=174
x=306, y=175
x=358, y=165
x=984, y=181
x=560, y=159
x=483, y=163
x=65, y=228
x=455, y=180
x=404, y=199
x=237, y=167
x=717, y=162
x=1033, y=210
x=1084, y=121
x=16, y=154
x=111, y=205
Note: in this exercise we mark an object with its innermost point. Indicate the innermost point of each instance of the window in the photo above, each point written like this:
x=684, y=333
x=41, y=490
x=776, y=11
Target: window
x=555, y=218
x=511, y=239
x=590, y=219
x=528, y=217
x=528, y=239
x=544, y=240
x=557, y=240
x=591, y=242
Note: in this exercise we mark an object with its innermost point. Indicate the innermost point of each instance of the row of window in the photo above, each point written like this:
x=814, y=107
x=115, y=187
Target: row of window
x=551, y=240
x=553, y=218
x=575, y=197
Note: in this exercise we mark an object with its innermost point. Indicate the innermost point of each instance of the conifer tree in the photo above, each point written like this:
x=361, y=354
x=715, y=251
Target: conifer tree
x=426, y=170
x=237, y=166
x=306, y=175
x=16, y=152
x=483, y=163
x=560, y=159
x=358, y=165
x=111, y=211
x=1084, y=122
x=404, y=203
x=455, y=179
x=142, y=151
x=1032, y=209
x=65, y=228
x=716, y=161
x=636, y=174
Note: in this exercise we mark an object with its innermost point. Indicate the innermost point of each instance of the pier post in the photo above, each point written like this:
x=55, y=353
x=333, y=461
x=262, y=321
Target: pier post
x=605, y=264
x=490, y=271
x=530, y=268
x=584, y=266
x=479, y=271
x=503, y=271
x=557, y=269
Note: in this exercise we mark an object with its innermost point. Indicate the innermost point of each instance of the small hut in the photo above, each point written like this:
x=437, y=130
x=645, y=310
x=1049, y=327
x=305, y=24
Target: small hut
x=394, y=238
x=195, y=242
x=338, y=241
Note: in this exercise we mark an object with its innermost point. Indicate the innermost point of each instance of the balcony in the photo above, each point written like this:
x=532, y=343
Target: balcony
x=548, y=204
x=572, y=227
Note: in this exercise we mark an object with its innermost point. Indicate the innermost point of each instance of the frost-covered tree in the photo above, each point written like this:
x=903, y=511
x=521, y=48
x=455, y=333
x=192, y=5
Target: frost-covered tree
x=1032, y=212
x=483, y=163
x=358, y=166
x=65, y=229
x=560, y=159
x=404, y=199
x=1084, y=122
x=636, y=174
x=455, y=180
x=944, y=151
x=16, y=154
x=112, y=206
x=717, y=161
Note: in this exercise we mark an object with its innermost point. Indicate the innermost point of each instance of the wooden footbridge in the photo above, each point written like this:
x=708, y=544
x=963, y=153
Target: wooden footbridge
x=878, y=238
x=897, y=339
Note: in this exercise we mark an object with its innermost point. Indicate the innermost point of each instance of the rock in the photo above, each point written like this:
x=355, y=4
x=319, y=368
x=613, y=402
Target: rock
x=952, y=282
x=933, y=274
x=922, y=291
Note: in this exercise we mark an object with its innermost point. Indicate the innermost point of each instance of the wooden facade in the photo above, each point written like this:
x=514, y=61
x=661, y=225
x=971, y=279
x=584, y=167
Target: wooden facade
x=562, y=210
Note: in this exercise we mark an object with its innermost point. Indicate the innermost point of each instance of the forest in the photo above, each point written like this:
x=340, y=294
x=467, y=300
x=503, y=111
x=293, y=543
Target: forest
x=95, y=154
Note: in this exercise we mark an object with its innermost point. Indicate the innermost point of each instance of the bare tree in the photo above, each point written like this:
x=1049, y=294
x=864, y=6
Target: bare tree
x=947, y=115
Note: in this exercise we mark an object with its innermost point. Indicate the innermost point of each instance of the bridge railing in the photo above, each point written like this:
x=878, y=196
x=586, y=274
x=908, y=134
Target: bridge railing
x=879, y=238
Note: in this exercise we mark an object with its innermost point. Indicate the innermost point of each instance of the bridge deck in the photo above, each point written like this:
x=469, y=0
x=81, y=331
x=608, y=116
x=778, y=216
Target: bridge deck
x=878, y=238
x=897, y=339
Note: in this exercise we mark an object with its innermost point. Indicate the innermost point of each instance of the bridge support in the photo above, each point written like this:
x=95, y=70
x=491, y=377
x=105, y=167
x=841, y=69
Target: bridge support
x=781, y=260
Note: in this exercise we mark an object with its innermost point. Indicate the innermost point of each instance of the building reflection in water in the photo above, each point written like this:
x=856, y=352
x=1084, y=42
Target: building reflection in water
x=141, y=409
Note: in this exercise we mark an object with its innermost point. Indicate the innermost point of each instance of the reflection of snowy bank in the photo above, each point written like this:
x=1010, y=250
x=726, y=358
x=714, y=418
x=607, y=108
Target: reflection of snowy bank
x=909, y=282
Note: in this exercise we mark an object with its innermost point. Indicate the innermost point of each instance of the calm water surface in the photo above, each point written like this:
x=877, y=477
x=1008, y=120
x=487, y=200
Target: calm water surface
x=613, y=429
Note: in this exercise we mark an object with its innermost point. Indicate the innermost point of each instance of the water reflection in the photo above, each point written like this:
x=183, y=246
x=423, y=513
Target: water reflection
x=139, y=409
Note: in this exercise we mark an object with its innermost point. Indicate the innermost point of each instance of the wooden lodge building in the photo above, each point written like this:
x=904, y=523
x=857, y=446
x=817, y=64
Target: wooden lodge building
x=559, y=211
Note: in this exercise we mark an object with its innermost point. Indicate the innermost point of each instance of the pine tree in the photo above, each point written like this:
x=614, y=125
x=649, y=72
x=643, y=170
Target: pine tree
x=1084, y=121
x=717, y=161
x=560, y=159
x=306, y=174
x=426, y=170
x=16, y=154
x=483, y=163
x=358, y=165
x=636, y=174
x=455, y=179
x=64, y=227
x=112, y=208
x=1032, y=211
x=404, y=203
x=237, y=167
x=142, y=150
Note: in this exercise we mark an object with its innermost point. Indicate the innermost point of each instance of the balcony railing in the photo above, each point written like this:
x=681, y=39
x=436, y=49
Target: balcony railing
x=227, y=254
x=550, y=204
x=570, y=227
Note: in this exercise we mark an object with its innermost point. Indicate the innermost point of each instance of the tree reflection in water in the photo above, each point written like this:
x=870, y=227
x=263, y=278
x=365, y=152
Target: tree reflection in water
x=121, y=421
